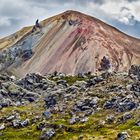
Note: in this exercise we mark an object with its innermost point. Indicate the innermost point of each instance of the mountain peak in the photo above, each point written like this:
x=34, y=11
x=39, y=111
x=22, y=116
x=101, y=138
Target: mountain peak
x=76, y=13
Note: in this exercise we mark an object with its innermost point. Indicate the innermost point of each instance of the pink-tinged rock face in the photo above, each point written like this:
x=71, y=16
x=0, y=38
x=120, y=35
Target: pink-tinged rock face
x=73, y=42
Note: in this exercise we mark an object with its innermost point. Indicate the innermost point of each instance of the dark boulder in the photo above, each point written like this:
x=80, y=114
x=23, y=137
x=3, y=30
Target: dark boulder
x=47, y=114
x=50, y=101
x=47, y=134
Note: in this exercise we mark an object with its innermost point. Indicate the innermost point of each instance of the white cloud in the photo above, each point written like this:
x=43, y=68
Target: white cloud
x=5, y=21
x=122, y=10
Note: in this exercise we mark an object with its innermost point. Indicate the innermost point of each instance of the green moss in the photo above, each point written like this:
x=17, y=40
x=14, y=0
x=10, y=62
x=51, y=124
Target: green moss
x=70, y=79
x=88, y=129
x=26, y=133
x=129, y=125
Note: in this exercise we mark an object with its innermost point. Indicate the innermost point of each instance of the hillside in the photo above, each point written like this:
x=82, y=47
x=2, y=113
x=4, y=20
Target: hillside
x=71, y=43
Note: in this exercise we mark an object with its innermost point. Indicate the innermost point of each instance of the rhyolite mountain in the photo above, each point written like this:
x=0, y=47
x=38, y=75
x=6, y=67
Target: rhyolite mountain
x=72, y=43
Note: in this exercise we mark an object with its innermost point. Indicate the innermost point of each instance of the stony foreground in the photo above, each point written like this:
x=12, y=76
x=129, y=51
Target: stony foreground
x=58, y=107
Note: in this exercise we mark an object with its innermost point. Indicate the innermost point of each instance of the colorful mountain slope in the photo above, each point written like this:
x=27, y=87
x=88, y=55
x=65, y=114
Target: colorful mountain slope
x=72, y=43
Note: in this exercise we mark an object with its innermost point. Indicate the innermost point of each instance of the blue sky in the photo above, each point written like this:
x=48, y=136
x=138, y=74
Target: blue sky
x=123, y=14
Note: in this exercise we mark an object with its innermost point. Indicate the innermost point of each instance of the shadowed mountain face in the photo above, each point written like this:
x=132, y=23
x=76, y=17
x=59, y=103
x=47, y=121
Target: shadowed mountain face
x=71, y=43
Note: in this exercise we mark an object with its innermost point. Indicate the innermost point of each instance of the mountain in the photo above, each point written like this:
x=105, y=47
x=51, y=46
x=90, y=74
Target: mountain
x=72, y=43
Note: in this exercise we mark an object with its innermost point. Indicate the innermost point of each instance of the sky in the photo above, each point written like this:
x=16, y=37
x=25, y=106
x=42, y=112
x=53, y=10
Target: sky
x=122, y=14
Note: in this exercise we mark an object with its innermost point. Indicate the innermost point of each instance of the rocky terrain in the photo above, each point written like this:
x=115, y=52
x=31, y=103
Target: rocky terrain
x=71, y=43
x=101, y=106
